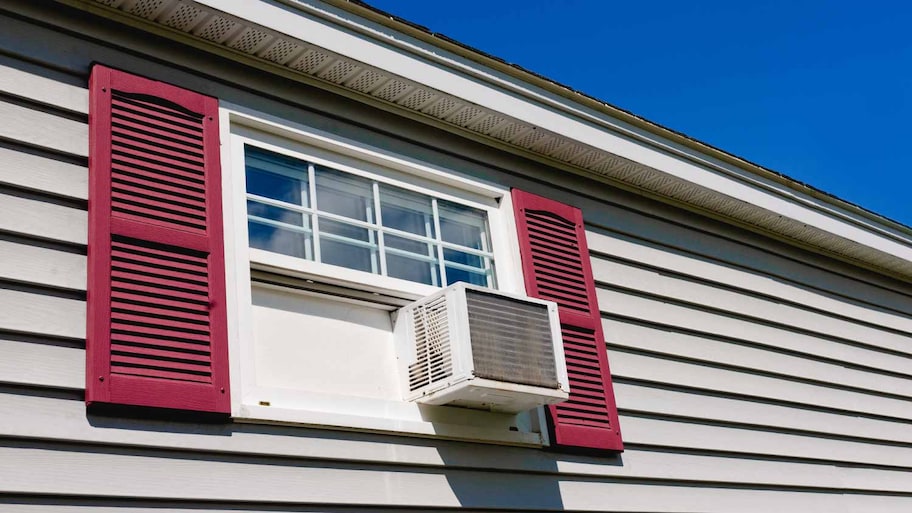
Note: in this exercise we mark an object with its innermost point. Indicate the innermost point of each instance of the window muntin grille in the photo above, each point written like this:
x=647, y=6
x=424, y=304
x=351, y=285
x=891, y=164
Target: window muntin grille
x=317, y=213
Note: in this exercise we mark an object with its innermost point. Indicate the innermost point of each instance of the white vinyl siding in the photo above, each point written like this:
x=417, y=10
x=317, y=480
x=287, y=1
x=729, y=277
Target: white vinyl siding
x=749, y=376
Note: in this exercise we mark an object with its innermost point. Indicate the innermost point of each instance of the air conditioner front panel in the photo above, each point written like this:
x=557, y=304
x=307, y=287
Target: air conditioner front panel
x=511, y=340
x=431, y=330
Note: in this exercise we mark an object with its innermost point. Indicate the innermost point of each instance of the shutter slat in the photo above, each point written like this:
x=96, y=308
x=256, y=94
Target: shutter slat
x=160, y=342
x=157, y=214
x=199, y=318
x=163, y=364
x=131, y=248
x=161, y=302
x=156, y=297
x=157, y=152
x=556, y=266
x=151, y=257
x=190, y=280
x=199, y=358
x=153, y=333
x=154, y=170
x=121, y=368
x=184, y=204
x=129, y=107
x=169, y=324
x=163, y=284
x=183, y=139
x=155, y=293
x=146, y=180
x=566, y=254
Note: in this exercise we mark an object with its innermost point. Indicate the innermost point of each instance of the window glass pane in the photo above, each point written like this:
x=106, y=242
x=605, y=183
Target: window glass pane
x=276, y=176
x=280, y=214
x=467, y=267
x=345, y=195
x=421, y=271
x=412, y=246
x=348, y=231
x=280, y=240
x=406, y=211
x=349, y=246
x=463, y=225
x=349, y=255
x=341, y=201
x=458, y=257
x=474, y=277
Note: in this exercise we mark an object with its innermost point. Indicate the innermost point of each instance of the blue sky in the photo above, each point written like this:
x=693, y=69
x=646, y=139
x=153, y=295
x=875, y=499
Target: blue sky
x=820, y=91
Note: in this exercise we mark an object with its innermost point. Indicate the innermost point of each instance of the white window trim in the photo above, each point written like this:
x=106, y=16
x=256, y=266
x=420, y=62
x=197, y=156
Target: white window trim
x=333, y=411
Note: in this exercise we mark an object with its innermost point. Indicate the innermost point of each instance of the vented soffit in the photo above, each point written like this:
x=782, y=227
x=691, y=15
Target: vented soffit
x=339, y=71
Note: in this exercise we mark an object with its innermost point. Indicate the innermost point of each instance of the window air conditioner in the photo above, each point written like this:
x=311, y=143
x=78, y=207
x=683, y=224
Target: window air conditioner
x=478, y=348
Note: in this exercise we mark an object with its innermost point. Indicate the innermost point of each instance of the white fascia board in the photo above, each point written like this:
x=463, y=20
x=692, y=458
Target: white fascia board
x=434, y=68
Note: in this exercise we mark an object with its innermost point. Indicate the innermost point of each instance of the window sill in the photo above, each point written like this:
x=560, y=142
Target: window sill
x=445, y=423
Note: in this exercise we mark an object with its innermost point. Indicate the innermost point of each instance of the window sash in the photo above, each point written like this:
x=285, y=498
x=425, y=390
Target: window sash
x=377, y=194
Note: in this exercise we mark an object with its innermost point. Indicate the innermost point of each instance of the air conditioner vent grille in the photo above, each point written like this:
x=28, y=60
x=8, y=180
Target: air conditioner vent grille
x=511, y=340
x=434, y=360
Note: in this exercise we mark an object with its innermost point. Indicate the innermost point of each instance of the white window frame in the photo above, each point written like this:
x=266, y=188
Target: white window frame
x=313, y=157
x=239, y=126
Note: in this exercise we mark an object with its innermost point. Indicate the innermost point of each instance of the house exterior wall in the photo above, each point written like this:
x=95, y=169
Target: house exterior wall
x=750, y=375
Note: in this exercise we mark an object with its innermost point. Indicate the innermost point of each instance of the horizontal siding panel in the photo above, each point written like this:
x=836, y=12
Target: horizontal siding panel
x=42, y=266
x=24, y=81
x=731, y=439
x=44, y=130
x=44, y=220
x=743, y=304
x=778, y=260
x=65, y=421
x=103, y=473
x=712, y=271
x=643, y=398
x=860, y=503
x=28, y=363
x=52, y=504
x=666, y=341
x=39, y=173
x=660, y=370
x=877, y=504
x=654, y=311
x=37, y=314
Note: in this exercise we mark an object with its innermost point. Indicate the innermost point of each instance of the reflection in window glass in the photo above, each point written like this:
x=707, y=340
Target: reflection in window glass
x=275, y=176
x=322, y=214
x=345, y=195
x=412, y=260
x=464, y=226
x=344, y=254
x=276, y=186
x=279, y=240
x=406, y=211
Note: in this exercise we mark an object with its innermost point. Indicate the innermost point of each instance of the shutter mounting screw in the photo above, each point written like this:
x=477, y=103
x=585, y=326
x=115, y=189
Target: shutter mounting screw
x=100, y=378
x=222, y=390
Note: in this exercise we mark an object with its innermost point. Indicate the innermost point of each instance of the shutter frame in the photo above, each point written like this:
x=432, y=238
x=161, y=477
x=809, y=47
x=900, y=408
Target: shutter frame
x=578, y=311
x=162, y=247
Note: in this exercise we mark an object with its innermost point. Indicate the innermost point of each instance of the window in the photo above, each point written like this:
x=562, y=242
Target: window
x=344, y=223
x=328, y=238
x=318, y=213
x=344, y=214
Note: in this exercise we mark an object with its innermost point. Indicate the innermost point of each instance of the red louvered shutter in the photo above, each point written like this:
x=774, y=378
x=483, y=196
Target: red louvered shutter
x=555, y=260
x=157, y=327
